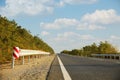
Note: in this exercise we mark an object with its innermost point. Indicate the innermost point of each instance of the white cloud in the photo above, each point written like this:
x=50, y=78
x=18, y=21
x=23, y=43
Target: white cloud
x=68, y=23
x=86, y=37
x=98, y=19
x=35, y=7
x=79, y=1
x=94, y=27
x=113, y=37
x=101, y=17
x=74, y=2
x=87, y=26
x=60, y=4
x=60, y=23
x=66, y=36
x=49, y=25
x=30, y=7
x=72, y=36
x=94, y=21
x=44, y=33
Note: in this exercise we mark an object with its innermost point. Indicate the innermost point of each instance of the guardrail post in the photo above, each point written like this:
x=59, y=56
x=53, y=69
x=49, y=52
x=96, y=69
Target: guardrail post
x=28, y=58
x=13, y=62
x=23, y=60
x=33, y=57
x=114, y=57
x=38, y=56
x=110, y=57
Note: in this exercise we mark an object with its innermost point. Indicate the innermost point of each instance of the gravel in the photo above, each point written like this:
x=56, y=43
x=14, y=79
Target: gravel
x=36, y=69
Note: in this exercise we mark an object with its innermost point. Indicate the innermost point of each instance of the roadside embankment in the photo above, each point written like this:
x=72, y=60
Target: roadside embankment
x=36, y=69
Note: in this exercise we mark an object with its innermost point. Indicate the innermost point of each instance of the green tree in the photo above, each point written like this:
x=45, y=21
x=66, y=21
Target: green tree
x=106, y=47
x=75, y=52
x=65, y=52
x=102, y=48
x=94, y=48
x=13, y=35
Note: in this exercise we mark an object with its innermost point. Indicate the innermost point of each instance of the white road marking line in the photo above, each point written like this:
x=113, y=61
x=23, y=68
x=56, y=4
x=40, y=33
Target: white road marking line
x=64, y=71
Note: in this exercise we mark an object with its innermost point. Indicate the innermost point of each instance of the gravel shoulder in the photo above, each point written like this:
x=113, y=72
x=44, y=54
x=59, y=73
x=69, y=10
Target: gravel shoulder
x=36, y=69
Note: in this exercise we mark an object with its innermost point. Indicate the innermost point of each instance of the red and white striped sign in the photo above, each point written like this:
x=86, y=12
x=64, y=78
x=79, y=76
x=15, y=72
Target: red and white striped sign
x=16, y=52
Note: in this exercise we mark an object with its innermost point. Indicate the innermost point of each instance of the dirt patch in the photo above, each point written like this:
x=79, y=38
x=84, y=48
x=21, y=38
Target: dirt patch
x=36, y=69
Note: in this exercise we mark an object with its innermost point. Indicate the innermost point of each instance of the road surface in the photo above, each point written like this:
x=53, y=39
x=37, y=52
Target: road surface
x=55, y=71
x=81, y=68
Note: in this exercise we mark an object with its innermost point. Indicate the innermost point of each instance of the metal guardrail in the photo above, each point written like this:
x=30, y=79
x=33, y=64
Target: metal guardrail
x=107, y=56
x=25, y=52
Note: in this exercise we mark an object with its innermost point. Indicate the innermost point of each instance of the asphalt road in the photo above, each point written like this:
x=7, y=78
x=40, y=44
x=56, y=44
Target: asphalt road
x=55, y=71
x=81, y=68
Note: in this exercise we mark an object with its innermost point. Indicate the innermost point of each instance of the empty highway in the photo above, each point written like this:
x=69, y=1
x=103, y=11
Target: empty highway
x=81, y=68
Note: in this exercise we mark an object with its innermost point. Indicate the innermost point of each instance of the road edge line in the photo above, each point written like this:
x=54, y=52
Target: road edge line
x=64, y=71
x=48, y=72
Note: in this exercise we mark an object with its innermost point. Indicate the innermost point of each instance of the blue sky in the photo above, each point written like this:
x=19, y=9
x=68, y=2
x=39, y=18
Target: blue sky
x=67, y=24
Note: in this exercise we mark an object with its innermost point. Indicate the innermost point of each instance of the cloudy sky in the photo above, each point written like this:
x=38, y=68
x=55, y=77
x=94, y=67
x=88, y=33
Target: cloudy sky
x=67, y=24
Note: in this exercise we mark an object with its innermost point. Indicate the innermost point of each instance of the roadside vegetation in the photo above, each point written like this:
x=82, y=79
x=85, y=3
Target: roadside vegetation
x=103, y=48
x=12, y=34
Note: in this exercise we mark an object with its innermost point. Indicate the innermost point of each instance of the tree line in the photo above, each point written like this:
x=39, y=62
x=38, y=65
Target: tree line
x=12, y=34
x=103, y=48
